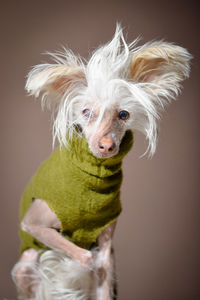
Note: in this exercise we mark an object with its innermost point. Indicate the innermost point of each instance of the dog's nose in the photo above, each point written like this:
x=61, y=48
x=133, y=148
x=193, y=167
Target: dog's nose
x=106, y=145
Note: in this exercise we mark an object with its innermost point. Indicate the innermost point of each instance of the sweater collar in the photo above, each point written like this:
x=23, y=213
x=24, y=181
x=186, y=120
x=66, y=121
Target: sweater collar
x=80, y=155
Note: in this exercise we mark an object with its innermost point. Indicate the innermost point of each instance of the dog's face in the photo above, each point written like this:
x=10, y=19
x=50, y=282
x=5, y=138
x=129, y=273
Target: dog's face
x=121, y=87
x=104, y=138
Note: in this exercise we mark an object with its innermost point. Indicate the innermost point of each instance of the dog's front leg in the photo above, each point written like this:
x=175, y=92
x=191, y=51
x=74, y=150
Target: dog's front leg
x=104, y=264
x=42, y=223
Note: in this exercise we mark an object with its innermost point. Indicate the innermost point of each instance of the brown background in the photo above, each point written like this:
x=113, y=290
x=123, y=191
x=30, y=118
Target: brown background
x=157, y=239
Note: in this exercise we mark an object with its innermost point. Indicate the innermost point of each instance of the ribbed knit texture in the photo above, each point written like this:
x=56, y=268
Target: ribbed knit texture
x=82, y=190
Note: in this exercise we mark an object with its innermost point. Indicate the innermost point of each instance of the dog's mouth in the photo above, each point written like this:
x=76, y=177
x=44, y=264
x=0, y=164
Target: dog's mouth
x=99, y=154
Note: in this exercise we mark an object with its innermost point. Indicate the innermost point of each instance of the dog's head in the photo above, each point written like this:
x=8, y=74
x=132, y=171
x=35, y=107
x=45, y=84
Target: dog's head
x=121, y=87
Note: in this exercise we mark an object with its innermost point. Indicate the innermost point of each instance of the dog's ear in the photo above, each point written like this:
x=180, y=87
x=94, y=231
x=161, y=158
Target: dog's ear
x=52, y=80
x=162, y=66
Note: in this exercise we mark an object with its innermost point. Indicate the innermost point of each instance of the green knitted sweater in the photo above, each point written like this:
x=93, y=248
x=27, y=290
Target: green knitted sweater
x=82, y=190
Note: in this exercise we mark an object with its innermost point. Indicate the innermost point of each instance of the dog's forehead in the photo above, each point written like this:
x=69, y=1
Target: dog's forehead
x=102, y=107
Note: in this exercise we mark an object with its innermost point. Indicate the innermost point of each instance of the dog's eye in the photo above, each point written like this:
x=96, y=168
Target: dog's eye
x=87, y=113
x=124, y=115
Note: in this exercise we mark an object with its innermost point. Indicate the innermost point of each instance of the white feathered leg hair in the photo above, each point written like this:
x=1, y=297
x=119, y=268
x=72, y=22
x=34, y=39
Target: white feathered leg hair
x=62, y=278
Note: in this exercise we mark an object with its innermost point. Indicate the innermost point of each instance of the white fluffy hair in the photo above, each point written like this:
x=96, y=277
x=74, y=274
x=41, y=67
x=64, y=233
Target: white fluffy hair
x=141, y=80
x=61, y=278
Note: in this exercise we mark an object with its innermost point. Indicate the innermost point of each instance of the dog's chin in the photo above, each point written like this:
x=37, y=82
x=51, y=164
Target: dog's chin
x=104, y=155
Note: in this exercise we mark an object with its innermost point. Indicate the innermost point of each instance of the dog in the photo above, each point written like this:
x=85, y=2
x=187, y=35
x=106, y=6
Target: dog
x=96, y=104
